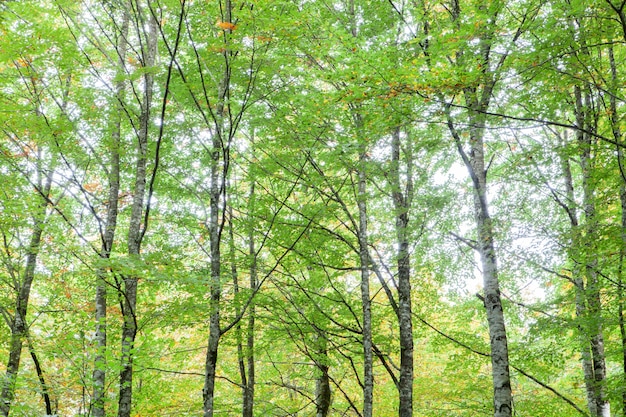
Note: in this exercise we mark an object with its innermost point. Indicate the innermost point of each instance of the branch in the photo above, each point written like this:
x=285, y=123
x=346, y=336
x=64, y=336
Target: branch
x=487, y=355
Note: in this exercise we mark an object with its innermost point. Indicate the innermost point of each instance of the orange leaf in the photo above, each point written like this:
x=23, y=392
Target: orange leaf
x=226, y=25
x=91, y=187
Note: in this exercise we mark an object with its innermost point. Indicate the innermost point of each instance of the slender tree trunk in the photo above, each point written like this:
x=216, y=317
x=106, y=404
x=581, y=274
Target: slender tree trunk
x=99, y=371
x=248, y=394
x=208, y=391
x=322, y=382
x=18, y=325
x=587, y=121
x=217, y=205
x=248, y=391
x=368, y=371
x=475, y=164
x=245, y=356
x=585, y=351
x=477, y=101
x=401, y=202
x=577, y=278
x=621, y=164
x=493, y=304
x=620, y=276
x=45, y=391
x=135, y=229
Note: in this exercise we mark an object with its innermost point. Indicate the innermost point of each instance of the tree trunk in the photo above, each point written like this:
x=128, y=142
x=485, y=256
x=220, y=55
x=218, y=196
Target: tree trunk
x=364, y=258
x=208, y=392
x=45, y=391
x=322, y=382
x=217, y=198
x=587, y=121
x=475, y=164
x=368, y=371
x=99, y=371
x=615, y=119
x=577, y=278
x=18, y=325
x=401, y=202
x=245, y=356
x=248, y=393
x=135, y=229
x=502, y=396
x=477, y=101
x=620, y=283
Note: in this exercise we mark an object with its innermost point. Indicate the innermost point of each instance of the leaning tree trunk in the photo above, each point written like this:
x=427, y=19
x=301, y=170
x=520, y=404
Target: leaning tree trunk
x=477, y=100
x=474, y=161
x=577, y=279
x=18, y=324
x=502, y=395
x=45, y=390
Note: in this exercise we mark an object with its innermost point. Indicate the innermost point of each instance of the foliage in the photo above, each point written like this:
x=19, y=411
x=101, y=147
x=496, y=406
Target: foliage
x=278, y=105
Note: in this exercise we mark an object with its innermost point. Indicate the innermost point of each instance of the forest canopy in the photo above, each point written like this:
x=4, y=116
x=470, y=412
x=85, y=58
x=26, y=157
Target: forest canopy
x=312, y=207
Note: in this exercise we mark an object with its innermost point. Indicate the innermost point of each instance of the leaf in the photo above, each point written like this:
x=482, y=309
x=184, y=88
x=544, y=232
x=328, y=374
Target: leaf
x=226, y=26
x=91, y=186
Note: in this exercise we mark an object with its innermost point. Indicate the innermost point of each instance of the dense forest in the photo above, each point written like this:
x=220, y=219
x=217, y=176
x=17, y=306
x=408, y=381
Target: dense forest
x=313, y=208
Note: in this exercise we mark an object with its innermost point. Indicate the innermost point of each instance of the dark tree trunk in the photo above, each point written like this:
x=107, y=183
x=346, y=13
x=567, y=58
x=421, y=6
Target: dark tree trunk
x=45, y=391
x=248, y=391
x=402, y=201
x=18, y=324
x=322, y=382
x=208, y=392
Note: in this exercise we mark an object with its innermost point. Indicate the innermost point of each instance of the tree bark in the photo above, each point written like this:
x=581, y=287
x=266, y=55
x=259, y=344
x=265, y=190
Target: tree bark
x=368, y=371
x=135, y=229
x=245, y=356
x=18, y=325
x=502, y=395
x=217, y=193
x=477, y=100
x=214, y=227
x=402, y=202
x=248, y=394
x=45, y=391
x=99, y=371
x=620, y=282
x=614, y=118
x=587, y=122
x=322, y=382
